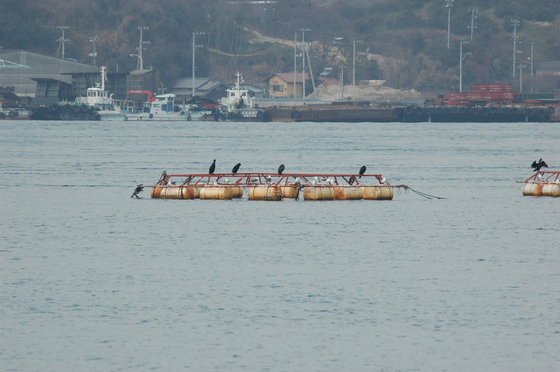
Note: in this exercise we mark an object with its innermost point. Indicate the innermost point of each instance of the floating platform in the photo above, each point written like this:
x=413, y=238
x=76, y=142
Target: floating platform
x=273, y=186
x=542, y=183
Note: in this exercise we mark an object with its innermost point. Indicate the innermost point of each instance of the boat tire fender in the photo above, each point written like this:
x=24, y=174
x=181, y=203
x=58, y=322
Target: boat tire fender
x=189, y=118
x=295, y=114
x=151, y=116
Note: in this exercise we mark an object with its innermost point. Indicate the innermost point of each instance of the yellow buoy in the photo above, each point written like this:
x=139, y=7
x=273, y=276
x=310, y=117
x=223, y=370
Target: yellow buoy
x=551, y=189
x=347, y=193
x=290, y=192
x=377, y=192
x=219, y=193
x=237, y=192
x=532, y=189
x=318, y=193
x=264, y=193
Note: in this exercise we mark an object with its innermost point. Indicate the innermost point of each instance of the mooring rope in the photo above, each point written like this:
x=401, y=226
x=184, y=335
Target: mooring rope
x=423, y=194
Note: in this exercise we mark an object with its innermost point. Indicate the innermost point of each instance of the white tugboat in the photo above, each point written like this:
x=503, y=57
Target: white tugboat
x=238, y=105
x=108, y=108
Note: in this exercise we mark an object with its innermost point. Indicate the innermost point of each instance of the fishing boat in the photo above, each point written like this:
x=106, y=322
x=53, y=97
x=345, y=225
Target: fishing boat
x=162, y=107
x=238, y=105
x=99, y=99
x=542, y=183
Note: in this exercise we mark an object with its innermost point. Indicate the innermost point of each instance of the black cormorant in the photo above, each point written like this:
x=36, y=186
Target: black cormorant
x=362, y=170
x=538, y=165
x=137, y=190
x=235, y=168
x=281, y=168
x=212, y=167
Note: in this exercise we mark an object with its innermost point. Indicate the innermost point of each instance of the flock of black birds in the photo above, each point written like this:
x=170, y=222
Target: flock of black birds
x=281, y=168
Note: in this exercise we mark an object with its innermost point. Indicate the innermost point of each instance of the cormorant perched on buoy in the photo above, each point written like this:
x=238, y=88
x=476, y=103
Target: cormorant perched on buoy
x=235, y=168
x=281, y=168
x=538, y=165
x=137, y=190
x=362, y=170
x=212, y=167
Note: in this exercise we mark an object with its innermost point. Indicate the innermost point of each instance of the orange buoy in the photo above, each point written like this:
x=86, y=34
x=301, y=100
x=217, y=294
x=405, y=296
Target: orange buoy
x=318, y=193
x=271, y=193
x=290, y=192
x=156, y=192
x=532, y=189
x=347, y=193
x=216, y=192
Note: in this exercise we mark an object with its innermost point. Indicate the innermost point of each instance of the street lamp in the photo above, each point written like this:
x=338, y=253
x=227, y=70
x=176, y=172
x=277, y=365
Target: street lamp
x=94, y=40
x=461, y=58
x=354, y=68
x=303, y=30
x=140, y=61
x=194, y=46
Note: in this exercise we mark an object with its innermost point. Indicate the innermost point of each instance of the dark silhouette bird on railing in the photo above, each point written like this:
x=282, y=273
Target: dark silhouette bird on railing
x=137, y=190
x=188, y=180
x=235, y=168
x=362, y=170
x=281, y=168
x=537, y=165
x=212, y=167
x=352, y=180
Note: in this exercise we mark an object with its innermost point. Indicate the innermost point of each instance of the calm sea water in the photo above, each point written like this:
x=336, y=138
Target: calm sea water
x=93, y=280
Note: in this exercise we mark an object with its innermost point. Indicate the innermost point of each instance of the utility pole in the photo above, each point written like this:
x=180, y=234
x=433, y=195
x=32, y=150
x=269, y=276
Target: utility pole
x=303, y=30
x=140, y=48
x=194, y=46
x=354, y=68
x=295, y=63
x=531, y=67
x=62, y=40
x=462, y=57
x=448, y=5
x=94, y=40
x=472, y=26
x=514, y=23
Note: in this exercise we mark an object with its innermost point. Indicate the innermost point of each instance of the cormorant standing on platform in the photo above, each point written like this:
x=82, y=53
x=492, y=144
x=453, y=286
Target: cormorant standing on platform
x=362, y=170
x=235, y=168
x=538, y=165
x=212, y=167
x=137, y=190
x=281, y=168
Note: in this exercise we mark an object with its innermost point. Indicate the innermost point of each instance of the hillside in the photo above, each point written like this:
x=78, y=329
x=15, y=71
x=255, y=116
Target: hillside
x=403, y=42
